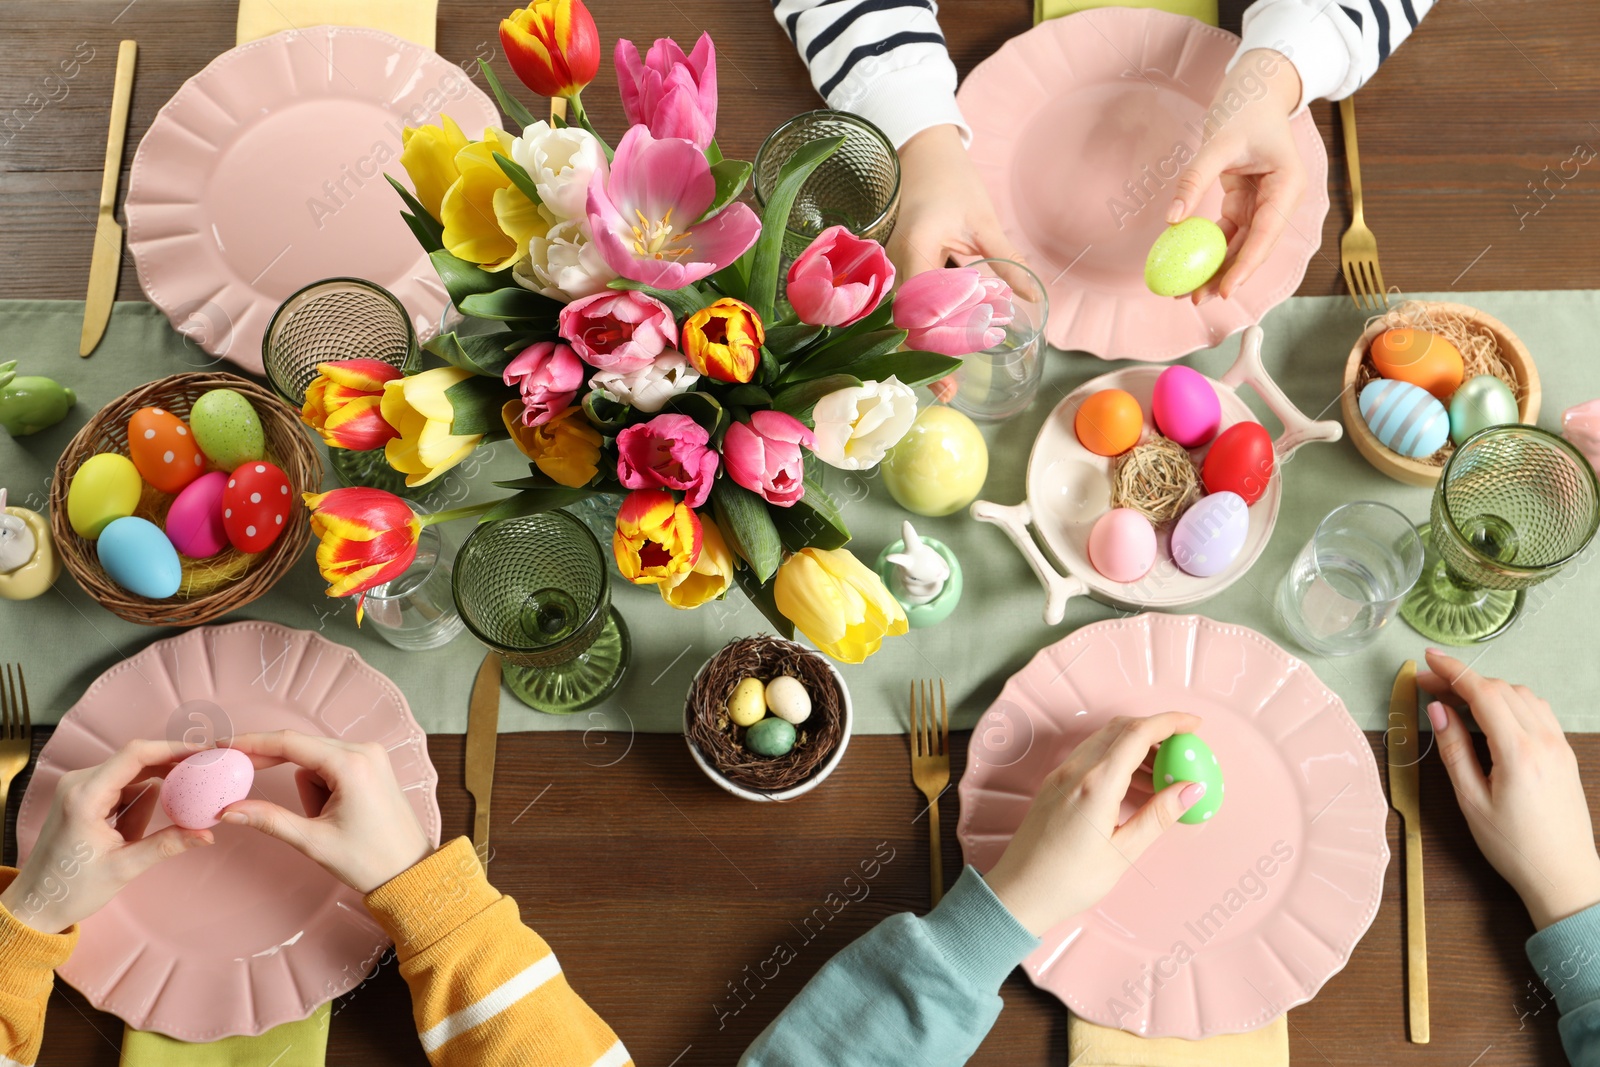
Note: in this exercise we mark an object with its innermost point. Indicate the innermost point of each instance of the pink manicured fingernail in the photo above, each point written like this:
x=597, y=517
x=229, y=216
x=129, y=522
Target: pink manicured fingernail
x=1435, y=652
x=1175, y=212
x=1192, y=794
x=1437, y=716
x=235, y=817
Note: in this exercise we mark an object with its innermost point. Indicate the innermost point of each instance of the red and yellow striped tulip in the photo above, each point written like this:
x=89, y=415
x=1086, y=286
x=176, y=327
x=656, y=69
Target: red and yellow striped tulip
x=553, y=46
x=657, y=537
x=709, y=578
x=344, y=401
x=365, y=537
x=724, y=340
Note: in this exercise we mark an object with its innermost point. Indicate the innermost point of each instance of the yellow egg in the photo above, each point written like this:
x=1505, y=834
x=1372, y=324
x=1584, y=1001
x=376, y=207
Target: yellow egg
x=940, y=465
x=106, y=487
x=1423, y=359
x=1109, y=422
x=748, y=702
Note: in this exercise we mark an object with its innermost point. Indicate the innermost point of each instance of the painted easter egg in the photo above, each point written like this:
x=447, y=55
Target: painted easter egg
x=194, y=522
x=138, y=557
x=1109, y=422
x=1186, y=758
x=1241, y=460
x=1122, y=545
x=940, y=465
x=228, y=428
x=788, y=700
x=747, y=702
x=771, y=736
x=1480, y=403
x=1185, y=406
x=1211, y=534
x=256, y=504
x=1424, y=359
x=164, y=450
x=104, y=488
x=1408, y=420
x=195, y=791
x=1185, y=257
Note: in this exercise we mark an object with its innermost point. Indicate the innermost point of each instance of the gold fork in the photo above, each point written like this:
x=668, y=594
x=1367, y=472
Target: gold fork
x=1358, y=248
x=16, y=736
x=930, y=765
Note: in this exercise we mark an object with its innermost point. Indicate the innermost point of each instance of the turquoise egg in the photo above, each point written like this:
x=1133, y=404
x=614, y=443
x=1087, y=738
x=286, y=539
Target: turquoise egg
x=1408, y=420
x=771, y=736
x=1186, y=758
x=138, y=557
x=1480, y=403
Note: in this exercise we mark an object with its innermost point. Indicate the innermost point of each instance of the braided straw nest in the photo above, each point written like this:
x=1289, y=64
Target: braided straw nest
x=212, y=587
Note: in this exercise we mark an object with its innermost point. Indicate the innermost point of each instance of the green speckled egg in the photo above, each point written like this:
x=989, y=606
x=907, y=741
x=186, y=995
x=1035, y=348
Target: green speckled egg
x=1480, y=403
x=1186, y=758
x=771, y=736
x=1185, y=257
x=227, y=429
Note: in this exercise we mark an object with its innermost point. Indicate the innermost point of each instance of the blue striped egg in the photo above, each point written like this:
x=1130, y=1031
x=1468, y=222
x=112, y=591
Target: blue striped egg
x=1408, y=420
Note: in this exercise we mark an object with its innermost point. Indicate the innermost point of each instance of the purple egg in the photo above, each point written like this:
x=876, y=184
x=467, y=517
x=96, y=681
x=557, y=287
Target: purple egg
x=194, y=522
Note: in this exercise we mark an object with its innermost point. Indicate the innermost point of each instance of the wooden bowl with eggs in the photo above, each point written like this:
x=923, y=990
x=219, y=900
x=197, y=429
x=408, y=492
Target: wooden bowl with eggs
x=1426, y=471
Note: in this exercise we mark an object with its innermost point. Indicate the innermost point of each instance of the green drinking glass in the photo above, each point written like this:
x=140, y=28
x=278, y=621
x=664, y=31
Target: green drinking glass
x=857, y=187
x=1514, y=505
x=535, y=590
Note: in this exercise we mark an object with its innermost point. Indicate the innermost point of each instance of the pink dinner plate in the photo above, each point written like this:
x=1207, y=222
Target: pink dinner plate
x=248, y=933
x=1080, y=128
x=266, y=173
x=1222, y=926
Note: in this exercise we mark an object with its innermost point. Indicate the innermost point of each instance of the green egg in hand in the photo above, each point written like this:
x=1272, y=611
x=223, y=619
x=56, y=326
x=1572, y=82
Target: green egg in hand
x=1185, y=257
x=1186, y=758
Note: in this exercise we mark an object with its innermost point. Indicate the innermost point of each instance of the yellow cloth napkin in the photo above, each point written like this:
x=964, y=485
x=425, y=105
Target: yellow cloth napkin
x=1089, y=1045
x=414, y=20
x=1204, y=10
x=301, y=1044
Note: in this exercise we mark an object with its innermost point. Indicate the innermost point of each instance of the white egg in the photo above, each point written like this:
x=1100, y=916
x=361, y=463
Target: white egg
x=788, y=700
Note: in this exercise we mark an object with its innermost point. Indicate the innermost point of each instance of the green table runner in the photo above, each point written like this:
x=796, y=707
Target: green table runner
x=66, y=640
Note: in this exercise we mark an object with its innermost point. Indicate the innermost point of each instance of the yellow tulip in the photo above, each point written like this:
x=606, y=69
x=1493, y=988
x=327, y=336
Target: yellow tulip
x=711, y=576
x=429, y=155
x=418, y=407
x=838, y=603
x=487, y=220
x=566, y=449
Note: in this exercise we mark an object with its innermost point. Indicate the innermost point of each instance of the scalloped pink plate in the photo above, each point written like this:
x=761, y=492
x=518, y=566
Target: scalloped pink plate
x=247, y=934
x=1219, y=927
x=265, y=172
x=1080, y=127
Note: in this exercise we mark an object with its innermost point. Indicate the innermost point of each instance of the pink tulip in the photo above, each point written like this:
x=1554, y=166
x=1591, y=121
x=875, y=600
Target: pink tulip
x=763, y=455
x=673, y=94
x=621, y=330
x=548, y=375
x=955, y=311
x=839, y=278
x=668, y=452
x=643, y=215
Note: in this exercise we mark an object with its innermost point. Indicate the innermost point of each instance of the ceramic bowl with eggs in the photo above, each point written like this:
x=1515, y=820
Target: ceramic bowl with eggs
x=1069, y=491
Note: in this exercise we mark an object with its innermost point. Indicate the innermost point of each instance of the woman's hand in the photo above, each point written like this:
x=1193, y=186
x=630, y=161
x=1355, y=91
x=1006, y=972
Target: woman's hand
x=93, y=842
x=357, y=824
x=1250, y=148
x=1528, y=815
x=944, y=208
x=1069, y=850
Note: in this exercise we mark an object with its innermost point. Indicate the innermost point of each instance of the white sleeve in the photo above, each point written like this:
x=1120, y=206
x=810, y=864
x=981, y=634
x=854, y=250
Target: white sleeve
x=1336, y=45
x=884, y=60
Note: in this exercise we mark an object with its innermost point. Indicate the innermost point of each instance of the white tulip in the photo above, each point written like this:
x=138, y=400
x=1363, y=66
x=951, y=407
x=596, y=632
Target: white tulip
x=564, y=264
x=561, y=163
x=858, y=425
x=649, y=389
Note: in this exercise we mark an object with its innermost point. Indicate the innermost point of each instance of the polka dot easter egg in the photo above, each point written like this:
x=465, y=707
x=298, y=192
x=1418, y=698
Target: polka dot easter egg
x=256, y=505
x=1186, y=758
x=228, y=428
x=196, y=790
x=164, y=450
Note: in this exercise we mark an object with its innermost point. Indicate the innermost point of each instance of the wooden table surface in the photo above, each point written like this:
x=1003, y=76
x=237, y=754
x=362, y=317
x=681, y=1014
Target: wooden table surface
x=660, y=893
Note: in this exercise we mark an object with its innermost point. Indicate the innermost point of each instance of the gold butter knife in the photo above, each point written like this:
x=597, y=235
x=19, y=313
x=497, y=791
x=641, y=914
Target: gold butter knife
x=483, y=733
x=107, y=261
x=1402, y=740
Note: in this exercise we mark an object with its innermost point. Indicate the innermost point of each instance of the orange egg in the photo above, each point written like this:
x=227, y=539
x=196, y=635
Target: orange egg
x=1424, y=359
x=163, y=449
x=1109, y=422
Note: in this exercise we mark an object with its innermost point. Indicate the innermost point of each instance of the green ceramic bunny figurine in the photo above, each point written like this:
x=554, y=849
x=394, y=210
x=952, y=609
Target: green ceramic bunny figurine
x=30, y=403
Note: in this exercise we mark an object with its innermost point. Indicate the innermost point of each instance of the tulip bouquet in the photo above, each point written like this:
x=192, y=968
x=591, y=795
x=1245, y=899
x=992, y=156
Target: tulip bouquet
x=621, y=327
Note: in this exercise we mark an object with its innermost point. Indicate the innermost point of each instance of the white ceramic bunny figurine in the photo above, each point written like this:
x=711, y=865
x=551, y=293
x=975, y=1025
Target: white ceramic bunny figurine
x=17, y=543
x=921, y=572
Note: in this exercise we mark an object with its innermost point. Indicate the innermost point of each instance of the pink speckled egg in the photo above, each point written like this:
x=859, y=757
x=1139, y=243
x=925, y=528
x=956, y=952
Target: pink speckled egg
x=196, y=790
x=194, y=522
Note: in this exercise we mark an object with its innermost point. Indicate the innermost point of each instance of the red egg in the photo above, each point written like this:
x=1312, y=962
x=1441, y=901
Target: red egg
x=256, y=505
x=1241, y=460
x=163, y=449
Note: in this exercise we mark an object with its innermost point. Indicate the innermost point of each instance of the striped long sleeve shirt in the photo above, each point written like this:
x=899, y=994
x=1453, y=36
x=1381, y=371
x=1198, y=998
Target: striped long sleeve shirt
x=886, y=61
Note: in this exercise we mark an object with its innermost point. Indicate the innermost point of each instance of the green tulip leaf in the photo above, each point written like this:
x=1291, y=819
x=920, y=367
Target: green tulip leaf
x=844, y=354
x=519, y=177
x=730, y=176
x=761, y=594
x=513, y=304
x=475, y=405
x=785, y=341
x=532, y=502
x=682, y=302
x=428, y=230
x=748, y=396
x=747, y=524
x=765, y=257
x=703, y=408
x=813, y=521
x=713, y=152
x=798, y=400
x=508, y=103
x=462, y=279
x=605, y=414
x=485, y=354
x=881, y=318
x=911, y=368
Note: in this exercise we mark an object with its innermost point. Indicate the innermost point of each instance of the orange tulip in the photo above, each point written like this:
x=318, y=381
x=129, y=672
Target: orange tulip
x=553, y=46
x=657, y=537
x=343, y=404
x=724, y=340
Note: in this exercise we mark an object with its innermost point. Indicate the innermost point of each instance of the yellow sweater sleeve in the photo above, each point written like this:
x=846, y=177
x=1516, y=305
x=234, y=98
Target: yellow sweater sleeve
x=485, y=989
x=28, y=960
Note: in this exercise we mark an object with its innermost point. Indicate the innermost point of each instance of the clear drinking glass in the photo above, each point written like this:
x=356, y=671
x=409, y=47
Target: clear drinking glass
x=1348, y=581
x=417, y=610
x=857, y=187
x=999, y=382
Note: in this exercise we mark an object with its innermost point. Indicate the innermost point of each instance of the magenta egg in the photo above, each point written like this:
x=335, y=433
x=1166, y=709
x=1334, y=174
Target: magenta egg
x=194, y=522
x=1185, y=406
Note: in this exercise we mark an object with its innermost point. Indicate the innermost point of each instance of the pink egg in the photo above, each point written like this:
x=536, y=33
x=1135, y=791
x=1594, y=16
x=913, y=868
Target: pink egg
x=1122, y=545
x=196, y=790
x=1185, y=406
x=194, y=522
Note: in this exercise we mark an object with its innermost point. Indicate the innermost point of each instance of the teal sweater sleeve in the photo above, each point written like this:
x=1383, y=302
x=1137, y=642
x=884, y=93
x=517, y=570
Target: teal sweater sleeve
x=1567, y=957
x=912, y=990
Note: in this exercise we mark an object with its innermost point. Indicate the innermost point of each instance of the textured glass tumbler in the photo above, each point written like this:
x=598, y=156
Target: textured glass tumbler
x=1348, y=580
x=331, y=320
x=857, y=187
x=1514, y=505
x=535, y=590
x=417, y=610
x=1002, y=381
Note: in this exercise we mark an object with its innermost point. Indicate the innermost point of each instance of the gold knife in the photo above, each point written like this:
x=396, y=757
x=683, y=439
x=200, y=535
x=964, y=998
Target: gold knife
x=107, y=261
x=483, y=732
x=1403, y=742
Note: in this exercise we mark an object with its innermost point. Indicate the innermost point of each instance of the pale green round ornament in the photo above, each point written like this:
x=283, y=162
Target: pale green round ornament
x=1480, y=403
x=940, y=465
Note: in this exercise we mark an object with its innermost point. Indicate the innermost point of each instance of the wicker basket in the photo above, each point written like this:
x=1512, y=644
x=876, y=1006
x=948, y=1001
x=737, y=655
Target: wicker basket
x=288, y=447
